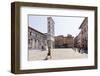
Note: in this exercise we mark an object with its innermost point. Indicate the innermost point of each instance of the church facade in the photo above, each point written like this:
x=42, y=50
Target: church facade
x=41, y=41
x=36, y=39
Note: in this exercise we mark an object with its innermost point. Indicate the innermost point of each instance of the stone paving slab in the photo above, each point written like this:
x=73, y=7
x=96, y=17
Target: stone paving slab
x=56, y=54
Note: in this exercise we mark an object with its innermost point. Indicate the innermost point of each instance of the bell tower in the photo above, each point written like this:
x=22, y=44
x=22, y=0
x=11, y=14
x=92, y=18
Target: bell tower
x=51, y=32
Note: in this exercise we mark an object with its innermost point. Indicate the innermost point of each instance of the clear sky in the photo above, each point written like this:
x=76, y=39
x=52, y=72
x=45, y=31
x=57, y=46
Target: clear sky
x=63, y=25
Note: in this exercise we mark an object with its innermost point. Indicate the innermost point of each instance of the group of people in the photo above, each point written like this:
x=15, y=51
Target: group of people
x=81, y=49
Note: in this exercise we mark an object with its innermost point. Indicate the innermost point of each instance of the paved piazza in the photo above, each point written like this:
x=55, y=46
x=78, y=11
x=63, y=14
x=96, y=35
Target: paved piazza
x=56, y=54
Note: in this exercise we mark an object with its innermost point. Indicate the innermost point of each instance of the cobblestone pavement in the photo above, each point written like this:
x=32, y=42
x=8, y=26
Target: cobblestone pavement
x=56, y=54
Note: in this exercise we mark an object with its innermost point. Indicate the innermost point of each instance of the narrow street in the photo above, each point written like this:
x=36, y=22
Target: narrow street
x=66, y=53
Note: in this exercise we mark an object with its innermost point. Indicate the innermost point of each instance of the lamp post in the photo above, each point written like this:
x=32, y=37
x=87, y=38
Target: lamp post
x=49, y=49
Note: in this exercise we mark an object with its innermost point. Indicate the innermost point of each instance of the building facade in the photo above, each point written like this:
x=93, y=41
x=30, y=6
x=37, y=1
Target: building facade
x=36, y=39
x=64, y=42
x=69, y=41
x=77, y=41
x=59, y=41
x=81, y=40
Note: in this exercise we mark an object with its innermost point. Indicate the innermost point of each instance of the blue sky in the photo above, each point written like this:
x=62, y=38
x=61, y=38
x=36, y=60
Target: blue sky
x=63, y=25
